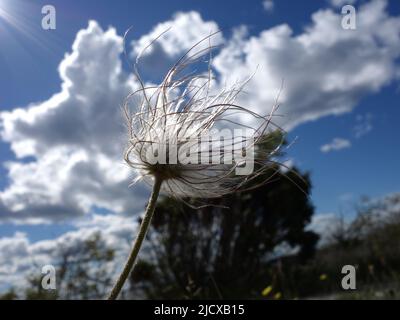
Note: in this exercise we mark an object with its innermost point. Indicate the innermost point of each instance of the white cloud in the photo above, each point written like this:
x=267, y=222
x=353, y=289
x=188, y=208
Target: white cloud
x=335, y=145
x=325, y=225
x=340, y=3
x=268, y=5
x=19, y=257
x=287, y=165
x=326, y=69
x=178, y=35
x=75, y=138
x=381, y=210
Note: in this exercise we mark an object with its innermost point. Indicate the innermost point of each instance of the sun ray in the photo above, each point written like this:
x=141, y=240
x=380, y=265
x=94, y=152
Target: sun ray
x=20, y=21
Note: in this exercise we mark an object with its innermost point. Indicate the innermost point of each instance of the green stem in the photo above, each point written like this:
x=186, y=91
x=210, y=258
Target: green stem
x=144, y=226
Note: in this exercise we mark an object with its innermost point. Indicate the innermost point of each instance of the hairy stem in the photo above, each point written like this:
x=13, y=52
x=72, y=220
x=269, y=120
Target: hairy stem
x=138, y=241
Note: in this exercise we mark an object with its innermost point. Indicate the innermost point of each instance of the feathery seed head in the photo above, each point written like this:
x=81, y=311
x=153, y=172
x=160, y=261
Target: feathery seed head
x=188, y=136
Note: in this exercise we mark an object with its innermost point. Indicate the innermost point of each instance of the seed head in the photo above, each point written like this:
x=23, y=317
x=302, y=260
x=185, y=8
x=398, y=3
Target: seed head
x=186, y=132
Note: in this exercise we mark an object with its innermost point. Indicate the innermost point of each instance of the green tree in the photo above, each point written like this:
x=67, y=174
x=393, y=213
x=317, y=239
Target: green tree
x=214, y=252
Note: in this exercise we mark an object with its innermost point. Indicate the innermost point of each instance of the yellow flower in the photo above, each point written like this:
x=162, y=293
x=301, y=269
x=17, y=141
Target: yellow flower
x=266, y=291
x=277, y=296
x=323, y=277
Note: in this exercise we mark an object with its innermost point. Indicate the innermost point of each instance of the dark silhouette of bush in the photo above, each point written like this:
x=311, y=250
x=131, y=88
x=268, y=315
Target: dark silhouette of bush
x=215, y=252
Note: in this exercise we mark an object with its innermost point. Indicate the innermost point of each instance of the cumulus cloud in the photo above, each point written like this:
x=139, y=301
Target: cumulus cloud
x=74, y=140
x=20, y=257
x=385, y=209
x=76, y=137
x=84, y=112
x=178, y=35
x=326, y=69
x=326, y=225
x=336, y=145
x=340, y=3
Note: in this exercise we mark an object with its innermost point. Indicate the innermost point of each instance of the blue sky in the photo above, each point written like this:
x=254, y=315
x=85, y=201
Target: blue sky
x=365, y=119
x=41, y=60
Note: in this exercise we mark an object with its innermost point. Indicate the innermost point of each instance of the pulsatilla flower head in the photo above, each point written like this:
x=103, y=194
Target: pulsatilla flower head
x=185, y=132
x=185, y=140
